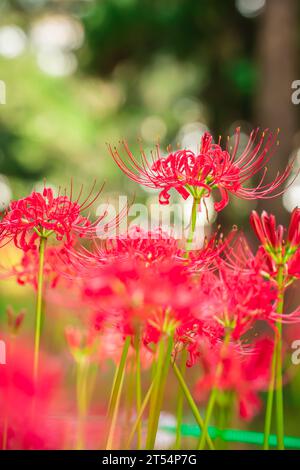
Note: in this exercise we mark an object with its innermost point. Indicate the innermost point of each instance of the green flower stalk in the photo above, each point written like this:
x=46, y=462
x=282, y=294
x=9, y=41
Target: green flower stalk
x=82, y=345
x=285, y=269
x=115, y=397
x=39, y=304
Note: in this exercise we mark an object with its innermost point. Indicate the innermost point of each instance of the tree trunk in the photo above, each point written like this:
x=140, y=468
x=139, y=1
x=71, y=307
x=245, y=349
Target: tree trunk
x=277, y=50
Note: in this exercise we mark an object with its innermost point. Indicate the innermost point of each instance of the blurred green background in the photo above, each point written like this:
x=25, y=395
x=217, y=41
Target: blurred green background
x=77, y=74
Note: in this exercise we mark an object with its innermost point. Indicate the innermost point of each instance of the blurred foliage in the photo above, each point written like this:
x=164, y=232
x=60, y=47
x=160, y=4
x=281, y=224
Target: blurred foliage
x=212, y=36
x=176, y=61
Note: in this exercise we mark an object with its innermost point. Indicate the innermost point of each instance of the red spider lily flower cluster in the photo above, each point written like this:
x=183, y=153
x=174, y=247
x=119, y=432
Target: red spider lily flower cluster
x=243, y=371
x=212, y=168
x=56, y=266
x=42, y=214
x=137, y=243
x=135, y=298
x=28, y=408
x=280, y=245
x=82, y=343
x=143, y=279
x=148, y=301
x=237, y=300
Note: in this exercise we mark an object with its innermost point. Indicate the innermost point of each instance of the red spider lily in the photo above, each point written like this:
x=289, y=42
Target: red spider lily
x=195, y=333
x=236, y=300
x=145, y=246
x=150, y=247
x=213, y=167
x=41, y=214
x=293, y=265
x=272, y=236
x=134, y=296
x=279, y=251
x=266, y=230
x=293, y=236
x=26, y=406
x=56, y=266
x=267, y=267
x=239, y=258
x=14, y=320
x=207, y=257
x=82, y=342
x=2, y=233
x=77, y=339
x=246, y=373
x=136, y=292
x=238, y=255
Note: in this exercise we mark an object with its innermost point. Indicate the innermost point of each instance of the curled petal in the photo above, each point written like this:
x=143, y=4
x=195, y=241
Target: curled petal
x=164, y=197
x=183, y=192
x=224, y=201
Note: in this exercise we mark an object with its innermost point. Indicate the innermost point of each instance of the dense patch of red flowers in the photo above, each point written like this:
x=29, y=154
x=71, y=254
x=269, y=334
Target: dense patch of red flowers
x=147, y=287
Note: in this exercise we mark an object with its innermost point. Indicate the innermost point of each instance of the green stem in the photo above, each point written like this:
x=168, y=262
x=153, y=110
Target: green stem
x=112, y=390
x=110, y=438
x=196, y=202
x=118, y=375
x=179, y=414
x=214, y=392
x=116, y=392
x=138, y=393
x=276, y=374
x=140, y=414
x=156, y=374
x=210, y=407
x=269, y=407
x=129, y=392
x=163, y=363
x=279, y=392
x=39, y=303
x=191, y=403
x=129, y=398
x=221, y=420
